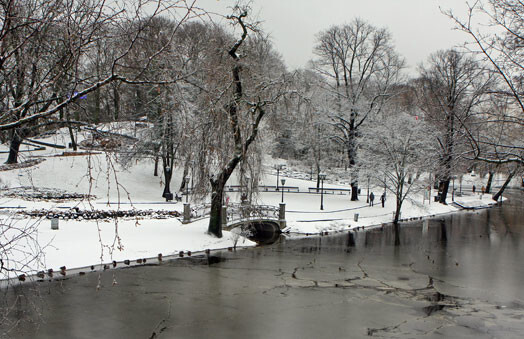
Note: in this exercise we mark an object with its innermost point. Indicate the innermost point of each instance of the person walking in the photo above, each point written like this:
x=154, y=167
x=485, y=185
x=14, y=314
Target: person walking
x=383, y=199
x=371, y=198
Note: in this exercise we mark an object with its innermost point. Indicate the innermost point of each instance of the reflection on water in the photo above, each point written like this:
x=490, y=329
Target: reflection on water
x=263, y=233
x=454, y=276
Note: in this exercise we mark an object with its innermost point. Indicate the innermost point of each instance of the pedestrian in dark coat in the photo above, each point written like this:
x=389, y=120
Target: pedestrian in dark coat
x=371, y=198
x=383, y=199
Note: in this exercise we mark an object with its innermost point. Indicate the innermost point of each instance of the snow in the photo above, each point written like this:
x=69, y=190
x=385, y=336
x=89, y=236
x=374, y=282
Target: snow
x=81, y=243
x=77, y=243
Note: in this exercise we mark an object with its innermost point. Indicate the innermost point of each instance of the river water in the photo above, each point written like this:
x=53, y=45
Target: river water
x=458, y=276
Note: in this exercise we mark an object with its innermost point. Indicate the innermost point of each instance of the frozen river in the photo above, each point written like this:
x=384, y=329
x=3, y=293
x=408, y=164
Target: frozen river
x=459, y=276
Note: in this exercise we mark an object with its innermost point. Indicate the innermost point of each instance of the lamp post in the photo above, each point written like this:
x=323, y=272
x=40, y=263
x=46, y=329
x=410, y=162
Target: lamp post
x=187, y=207
x=167, y=191
x=282, y=210
x=322, y=177
x=186, y=179
x=283, y=181
x=278, y=168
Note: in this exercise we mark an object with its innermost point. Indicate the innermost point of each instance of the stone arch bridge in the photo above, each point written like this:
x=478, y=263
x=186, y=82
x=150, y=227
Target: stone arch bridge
x=235, y=215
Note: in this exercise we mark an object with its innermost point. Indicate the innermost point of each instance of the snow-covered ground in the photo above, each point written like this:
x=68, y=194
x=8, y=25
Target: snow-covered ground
x=79, y=243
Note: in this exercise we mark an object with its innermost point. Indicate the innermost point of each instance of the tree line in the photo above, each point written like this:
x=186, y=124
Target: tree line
x=214, y=98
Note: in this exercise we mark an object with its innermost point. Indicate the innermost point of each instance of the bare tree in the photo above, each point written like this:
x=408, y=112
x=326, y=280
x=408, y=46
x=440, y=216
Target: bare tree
x=451, y=87
x=513, y=169
x=396, y=152
x=166, y=106
x=46, y=50
x=360, y=66
x=44, y=47
x=303, y=124
x=237, y=89
x=495, y=138
x=496, y=29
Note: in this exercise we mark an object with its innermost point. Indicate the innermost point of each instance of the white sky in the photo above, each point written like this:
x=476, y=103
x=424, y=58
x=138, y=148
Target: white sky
x=417, y=26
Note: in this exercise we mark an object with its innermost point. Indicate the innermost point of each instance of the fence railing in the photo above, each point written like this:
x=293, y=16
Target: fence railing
x=237, y=212
x=200, y=211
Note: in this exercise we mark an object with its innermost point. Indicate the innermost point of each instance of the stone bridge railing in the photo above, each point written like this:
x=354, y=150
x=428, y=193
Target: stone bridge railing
x=234, y=213
x=199, y=211
x=240, y=212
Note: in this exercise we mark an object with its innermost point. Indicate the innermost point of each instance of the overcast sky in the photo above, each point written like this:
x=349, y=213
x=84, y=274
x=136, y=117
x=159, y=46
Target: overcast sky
x=417, y=26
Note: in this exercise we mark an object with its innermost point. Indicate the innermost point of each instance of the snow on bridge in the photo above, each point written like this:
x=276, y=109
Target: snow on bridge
x=241, y=214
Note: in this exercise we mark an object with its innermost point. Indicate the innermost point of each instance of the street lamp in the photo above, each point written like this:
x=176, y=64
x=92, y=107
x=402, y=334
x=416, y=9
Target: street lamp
x=186, y=179
x=278, y=168
x=167, y=191
x=283, y=181
x=322, y=177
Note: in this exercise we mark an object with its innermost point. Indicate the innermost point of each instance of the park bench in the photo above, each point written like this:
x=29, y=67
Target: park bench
x=266, y=188
x=289, y=188
x=263, y=188
x=234, y=188
x=330, y=190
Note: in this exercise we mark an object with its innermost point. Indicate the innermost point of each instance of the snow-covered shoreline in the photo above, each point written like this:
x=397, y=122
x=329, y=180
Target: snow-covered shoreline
x=82, y=243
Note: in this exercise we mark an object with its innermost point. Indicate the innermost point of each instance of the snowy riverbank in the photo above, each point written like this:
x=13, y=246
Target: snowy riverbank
x=81, y=243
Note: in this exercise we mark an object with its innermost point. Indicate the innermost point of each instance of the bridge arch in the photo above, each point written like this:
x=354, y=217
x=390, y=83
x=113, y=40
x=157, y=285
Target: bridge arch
x=260, y=218
x=262, y=231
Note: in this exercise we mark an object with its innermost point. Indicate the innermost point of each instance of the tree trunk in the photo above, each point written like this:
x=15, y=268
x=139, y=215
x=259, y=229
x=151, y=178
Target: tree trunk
x=490, y=180
x=156, y=152
x=116, y=102
x=397, y=213
x=443, y=189
x=16, y=140
x=186, y=172
x=448, y=155
x=215, y=220
x=217, y=196
x=354, y=184
x=139, y=102
x=506, y=183
x=70, y=129
x=241, y=147
x=399, y=200
x=72, y=136
x=351, y=154
x=354, y=191
x=155, y=171
x=396, y=228
x=97, y=113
